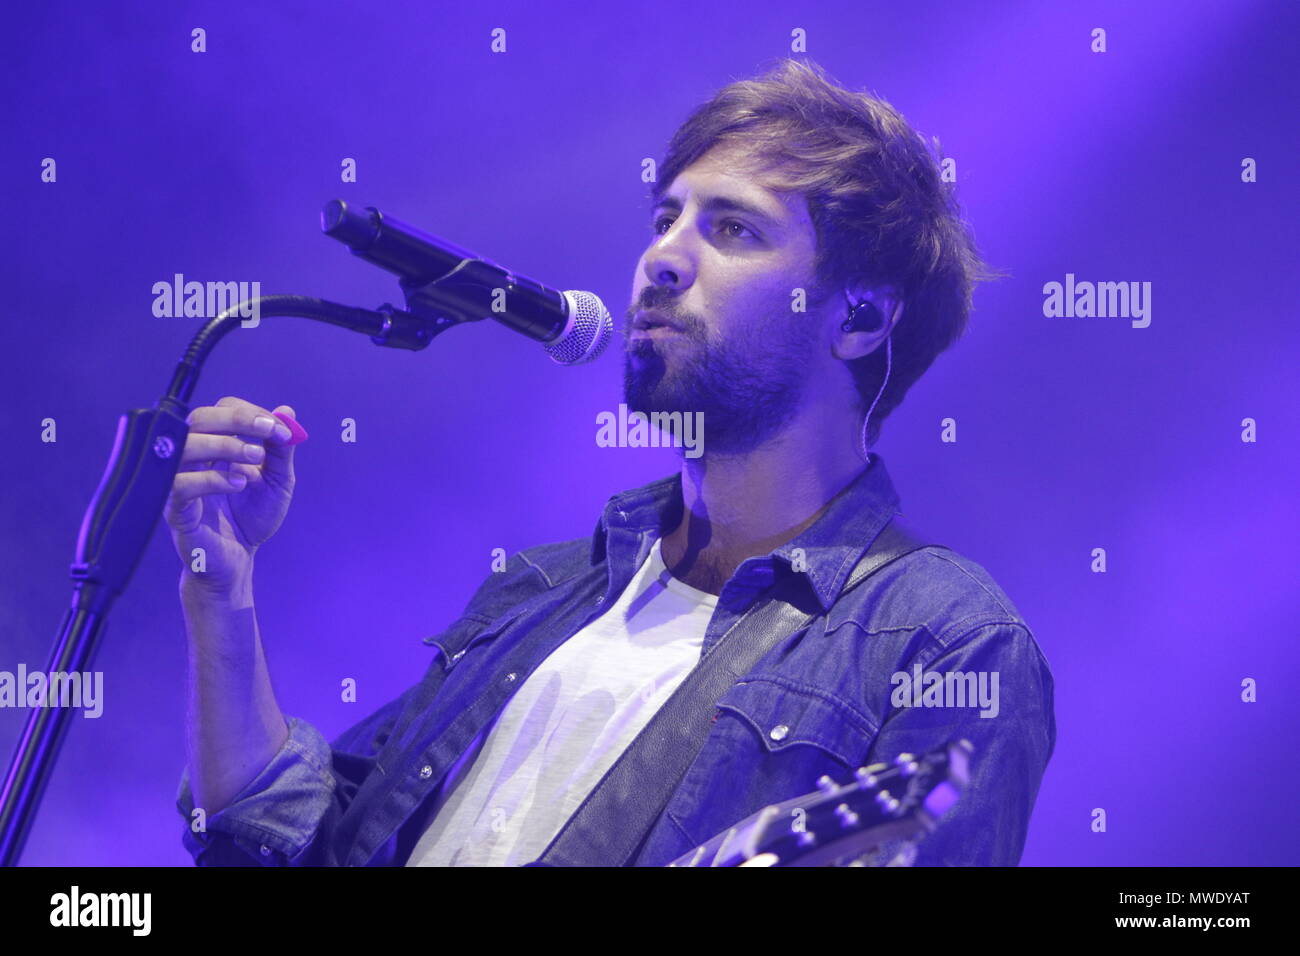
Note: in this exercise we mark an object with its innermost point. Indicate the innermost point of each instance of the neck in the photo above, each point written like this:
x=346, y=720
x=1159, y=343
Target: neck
x=739, y=506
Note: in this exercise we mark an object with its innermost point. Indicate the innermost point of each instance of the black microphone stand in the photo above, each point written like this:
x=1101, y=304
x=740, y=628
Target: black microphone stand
x=125, y=510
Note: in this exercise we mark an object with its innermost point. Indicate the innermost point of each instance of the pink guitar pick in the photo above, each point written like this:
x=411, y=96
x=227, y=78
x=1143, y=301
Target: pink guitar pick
x=299, y=433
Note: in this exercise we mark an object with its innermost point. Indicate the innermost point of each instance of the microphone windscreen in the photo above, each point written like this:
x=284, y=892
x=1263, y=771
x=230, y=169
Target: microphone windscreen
x=585, y=335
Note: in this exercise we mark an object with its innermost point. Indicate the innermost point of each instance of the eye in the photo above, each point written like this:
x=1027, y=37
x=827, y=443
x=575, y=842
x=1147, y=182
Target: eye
x=656, y=227
x=735, y=222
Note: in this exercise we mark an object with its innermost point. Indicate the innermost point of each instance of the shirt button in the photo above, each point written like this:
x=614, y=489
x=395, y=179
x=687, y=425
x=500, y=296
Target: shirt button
x=266, y=850
x=426, y=772
x=510, y=678
x=779, y=731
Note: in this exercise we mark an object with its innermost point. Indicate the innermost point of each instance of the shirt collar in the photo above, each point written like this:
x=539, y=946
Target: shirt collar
x=828, y=549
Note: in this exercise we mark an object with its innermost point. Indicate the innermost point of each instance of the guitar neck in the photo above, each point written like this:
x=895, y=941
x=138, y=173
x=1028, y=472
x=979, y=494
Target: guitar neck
x=840, y=822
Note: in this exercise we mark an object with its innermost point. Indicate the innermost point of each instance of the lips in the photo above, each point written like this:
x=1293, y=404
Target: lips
x=647, y=320
x=654, y=332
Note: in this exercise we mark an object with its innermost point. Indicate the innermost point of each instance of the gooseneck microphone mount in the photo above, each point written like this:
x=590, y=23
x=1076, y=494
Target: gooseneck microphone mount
x=128, y=503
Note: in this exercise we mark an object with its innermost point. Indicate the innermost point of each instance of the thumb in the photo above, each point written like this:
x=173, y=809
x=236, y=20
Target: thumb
x=279, y=455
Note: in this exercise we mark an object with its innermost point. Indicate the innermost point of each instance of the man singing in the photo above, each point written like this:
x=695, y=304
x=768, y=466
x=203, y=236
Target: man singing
x=805, y=265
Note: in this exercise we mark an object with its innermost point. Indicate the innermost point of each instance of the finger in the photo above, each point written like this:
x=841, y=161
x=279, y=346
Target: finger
x=188, y=487
x=235, y=416
x=202, y=450
x=279, y=456
x=289, y=418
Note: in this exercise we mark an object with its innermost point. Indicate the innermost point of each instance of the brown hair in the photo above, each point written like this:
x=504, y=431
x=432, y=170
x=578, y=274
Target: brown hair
x=882, y=213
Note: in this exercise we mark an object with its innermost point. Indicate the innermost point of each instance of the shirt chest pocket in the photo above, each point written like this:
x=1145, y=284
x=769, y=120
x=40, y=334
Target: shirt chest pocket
x=467, y=633
x=787, y=719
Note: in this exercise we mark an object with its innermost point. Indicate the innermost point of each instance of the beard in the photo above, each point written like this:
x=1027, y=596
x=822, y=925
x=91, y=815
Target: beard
x=748, y=387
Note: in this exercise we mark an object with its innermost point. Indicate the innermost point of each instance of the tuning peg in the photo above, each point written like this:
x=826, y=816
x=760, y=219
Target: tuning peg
x=846, y=816
x=887, y=802
x=826, y=785
x=866, y=776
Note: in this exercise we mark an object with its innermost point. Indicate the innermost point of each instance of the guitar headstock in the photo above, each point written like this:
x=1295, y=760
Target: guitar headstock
x=900, y=801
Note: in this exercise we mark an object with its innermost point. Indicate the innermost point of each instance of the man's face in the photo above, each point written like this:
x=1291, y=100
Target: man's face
x=726, y=255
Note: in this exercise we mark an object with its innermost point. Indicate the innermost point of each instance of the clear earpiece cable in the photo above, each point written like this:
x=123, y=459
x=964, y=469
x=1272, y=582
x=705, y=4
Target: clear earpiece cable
x=889, y=360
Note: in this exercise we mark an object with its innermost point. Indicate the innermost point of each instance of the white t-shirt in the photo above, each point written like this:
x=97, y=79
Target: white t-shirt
x=564, y=728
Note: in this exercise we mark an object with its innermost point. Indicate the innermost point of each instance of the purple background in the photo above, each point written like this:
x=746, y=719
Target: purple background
x=1074, y=433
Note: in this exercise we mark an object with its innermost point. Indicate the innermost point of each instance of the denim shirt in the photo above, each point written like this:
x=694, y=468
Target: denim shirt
x=829, y=687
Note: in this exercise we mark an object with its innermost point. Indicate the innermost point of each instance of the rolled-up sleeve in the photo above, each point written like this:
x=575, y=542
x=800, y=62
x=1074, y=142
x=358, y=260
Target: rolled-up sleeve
x=289, y=813
x=293, y=812
x=989, y=823
x=274, y=819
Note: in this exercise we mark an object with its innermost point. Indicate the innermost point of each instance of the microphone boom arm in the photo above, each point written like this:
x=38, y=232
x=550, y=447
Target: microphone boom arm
x=125, y=509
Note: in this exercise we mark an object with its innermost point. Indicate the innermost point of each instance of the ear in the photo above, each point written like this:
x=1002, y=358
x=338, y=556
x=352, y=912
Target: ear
x=854, y=345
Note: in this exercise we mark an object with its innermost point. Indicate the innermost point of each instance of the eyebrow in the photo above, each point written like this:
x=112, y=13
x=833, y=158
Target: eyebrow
x=720, y=204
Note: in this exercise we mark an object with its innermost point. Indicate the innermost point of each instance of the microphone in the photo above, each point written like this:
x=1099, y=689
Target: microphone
x=446, y=282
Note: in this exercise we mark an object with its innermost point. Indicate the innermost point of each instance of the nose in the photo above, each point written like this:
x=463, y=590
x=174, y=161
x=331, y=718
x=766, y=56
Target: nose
x=668, y=263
